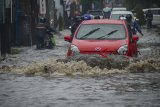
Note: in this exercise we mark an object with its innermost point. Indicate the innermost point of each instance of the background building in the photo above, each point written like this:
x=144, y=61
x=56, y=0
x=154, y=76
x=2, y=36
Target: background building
x=5, y=26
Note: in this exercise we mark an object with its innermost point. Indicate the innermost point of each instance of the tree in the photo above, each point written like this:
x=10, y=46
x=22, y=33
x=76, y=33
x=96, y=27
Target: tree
x=140, y=14
x=131, y=4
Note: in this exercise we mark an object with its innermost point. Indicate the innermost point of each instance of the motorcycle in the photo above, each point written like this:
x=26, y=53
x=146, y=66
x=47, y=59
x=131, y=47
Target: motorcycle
x=49, y=40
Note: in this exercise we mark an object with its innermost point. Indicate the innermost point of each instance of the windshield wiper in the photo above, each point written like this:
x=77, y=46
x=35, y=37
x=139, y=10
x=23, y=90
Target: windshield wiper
x=107, y=35
x=89, y=33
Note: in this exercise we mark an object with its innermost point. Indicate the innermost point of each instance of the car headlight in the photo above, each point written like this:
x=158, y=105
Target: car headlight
x=74, y=50
x=123, y=50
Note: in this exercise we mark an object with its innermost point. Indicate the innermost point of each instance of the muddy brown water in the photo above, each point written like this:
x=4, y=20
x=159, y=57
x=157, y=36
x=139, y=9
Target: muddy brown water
x=83, y=81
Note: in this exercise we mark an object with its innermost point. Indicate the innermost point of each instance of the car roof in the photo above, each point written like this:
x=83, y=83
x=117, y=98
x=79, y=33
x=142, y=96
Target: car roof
x=151, y=9
x=121, y=12
x=144, y=10
x=93, y=10
x=103, y=21
x=119, y=9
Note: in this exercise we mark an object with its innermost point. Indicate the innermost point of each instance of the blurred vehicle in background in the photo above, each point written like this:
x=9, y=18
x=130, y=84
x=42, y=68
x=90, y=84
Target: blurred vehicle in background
x=119, y=14
x=103, y=37
x=96, y=13
x=156, y=14
x=119, y=9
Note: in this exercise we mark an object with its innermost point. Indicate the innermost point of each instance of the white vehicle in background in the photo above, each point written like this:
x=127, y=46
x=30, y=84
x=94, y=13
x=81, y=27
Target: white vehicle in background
x=119, y=9
x=156, y=14
x=121, y=14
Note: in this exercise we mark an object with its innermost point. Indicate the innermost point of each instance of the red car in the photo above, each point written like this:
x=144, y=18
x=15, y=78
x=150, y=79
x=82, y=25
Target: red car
x=103, y=37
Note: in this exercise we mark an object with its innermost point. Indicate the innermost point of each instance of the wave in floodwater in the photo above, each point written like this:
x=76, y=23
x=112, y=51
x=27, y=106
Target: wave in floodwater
x=87, y=65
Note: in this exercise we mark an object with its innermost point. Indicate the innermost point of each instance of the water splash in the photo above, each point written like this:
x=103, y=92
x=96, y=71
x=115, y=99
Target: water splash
x=87, y=65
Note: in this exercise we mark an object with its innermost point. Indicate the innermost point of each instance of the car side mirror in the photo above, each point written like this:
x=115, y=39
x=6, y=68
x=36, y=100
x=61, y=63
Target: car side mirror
x=135, y=38
x=68, y=38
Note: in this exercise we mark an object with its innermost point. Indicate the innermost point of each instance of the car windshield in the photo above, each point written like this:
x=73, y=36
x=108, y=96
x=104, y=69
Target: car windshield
x=117, y=16
x=101, y=31
x=96, y=13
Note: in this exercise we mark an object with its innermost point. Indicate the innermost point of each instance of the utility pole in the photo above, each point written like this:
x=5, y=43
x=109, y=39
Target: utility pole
x=8, y=26
x=2, y=27
x=34, y=16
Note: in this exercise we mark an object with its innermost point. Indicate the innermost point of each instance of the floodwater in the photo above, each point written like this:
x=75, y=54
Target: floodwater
x=44, y=78
x=123, y=90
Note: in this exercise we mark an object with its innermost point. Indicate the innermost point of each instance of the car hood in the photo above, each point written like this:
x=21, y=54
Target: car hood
x=99, y=45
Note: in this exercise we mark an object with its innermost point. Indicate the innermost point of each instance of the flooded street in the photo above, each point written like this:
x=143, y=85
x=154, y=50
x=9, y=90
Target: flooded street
x=124, y=90
x=149, y=45
x=39, y=78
